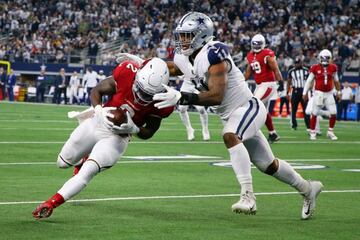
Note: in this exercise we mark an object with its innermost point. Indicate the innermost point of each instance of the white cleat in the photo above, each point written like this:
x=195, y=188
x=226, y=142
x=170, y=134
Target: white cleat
x=206, y=135
x=246, y=204
x=331, y=135
x=190, y=134
x=310, y=199
x=312, y=135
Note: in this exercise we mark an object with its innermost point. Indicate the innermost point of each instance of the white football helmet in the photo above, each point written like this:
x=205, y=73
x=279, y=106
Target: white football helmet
x=149, y=80
x=257, y=43
x=325, y=57
x=193, y=32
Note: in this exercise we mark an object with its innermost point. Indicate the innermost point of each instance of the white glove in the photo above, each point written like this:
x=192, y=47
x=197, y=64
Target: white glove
x=126, y=128
x=102, y=115
x=121, y=57
x=168, y=99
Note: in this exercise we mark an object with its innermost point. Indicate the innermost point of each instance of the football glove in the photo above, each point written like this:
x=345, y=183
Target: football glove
x=167, y=99
x=126, y=128
x=102, y=115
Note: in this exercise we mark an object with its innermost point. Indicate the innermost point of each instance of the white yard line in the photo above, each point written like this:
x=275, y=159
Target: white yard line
x=189, y=142
x=185, y=161
x=177, y=197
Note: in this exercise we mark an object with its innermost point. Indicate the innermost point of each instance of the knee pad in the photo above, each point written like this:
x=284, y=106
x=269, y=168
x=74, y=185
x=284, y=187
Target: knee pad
x=63, y=163
x=273, y=167
x=183, y=108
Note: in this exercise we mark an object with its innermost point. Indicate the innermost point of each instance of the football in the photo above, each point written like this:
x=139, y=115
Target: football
x=119, y=116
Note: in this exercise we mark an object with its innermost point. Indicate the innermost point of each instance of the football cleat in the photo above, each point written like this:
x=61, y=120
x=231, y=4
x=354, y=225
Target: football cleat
x=246, y=204
x=310, y=199
x=206, y=135
x=44, y=210
x=273, y=138
x=190, y=134
x=312, y=135
x=331, y=135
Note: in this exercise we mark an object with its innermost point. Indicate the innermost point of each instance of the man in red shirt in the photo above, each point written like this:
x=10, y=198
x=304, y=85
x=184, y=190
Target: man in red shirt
x=325, y=76
x=262, y=64
x=132, y=88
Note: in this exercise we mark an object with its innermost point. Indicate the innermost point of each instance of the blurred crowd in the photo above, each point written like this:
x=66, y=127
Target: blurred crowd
x=53, y=30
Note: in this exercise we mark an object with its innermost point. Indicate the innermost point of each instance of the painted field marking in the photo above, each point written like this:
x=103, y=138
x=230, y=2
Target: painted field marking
x=178, y=197
x=218, y=160
x=187, y=142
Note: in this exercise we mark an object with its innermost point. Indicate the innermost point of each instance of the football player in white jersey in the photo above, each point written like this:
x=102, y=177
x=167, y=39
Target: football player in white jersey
x=223, y=85
x=187, y=86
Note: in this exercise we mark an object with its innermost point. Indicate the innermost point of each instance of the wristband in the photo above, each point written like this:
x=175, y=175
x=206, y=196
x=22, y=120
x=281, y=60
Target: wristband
x=188, y=98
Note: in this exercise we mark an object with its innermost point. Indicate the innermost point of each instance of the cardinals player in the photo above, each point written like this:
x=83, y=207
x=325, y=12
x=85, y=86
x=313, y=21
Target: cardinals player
x=325, y=76
x=262, y=64
x=132, y=88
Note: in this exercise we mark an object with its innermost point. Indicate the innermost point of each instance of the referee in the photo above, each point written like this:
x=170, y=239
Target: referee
x=297, y=76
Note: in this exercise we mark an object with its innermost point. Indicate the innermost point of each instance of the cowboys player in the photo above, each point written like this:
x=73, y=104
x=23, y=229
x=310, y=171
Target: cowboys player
x=223, y=85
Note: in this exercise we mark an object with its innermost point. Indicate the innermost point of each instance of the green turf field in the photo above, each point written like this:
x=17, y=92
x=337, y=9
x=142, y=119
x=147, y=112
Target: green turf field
x=176, y=193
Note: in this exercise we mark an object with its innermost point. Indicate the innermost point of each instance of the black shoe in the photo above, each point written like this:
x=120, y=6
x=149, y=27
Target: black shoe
x=273, y=138
x=294, y=128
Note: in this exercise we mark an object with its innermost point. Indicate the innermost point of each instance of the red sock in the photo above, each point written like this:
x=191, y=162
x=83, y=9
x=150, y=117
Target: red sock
x=332, y=121
x=269, y=123
x=56, y=200
x=312, y=122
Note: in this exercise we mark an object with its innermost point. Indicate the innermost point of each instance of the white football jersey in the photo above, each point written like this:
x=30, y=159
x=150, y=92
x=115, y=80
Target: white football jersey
x=237, y=92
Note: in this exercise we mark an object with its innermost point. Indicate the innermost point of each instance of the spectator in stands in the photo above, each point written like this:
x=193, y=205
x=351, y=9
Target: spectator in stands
x=62, y=86
x=346, y=97
x=3, y=82
x=10, y=85
x=40, y=86
x=74, y=84
x=93, y=50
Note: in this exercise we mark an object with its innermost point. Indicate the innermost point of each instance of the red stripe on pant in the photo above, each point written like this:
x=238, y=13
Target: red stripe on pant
x=267, y=93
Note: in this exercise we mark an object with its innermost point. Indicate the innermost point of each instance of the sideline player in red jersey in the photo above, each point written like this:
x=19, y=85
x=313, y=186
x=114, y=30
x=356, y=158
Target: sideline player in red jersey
x=262, y=64
x=325, y=76
x=132, y=88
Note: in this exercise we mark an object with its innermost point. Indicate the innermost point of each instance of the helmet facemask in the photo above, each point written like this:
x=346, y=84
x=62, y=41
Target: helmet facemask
x=184, y=42
x=257, y=46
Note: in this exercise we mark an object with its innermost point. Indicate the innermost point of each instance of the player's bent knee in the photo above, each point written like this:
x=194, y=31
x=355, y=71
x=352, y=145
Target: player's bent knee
x=231, y=139
x=63, y=163
x=273, y=167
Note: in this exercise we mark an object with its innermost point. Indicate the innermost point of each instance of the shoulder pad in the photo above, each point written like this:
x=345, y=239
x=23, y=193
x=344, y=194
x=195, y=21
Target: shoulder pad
x=217, y=53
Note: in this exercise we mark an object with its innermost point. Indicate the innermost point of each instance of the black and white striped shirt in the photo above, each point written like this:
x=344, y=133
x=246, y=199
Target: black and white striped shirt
x=298, y=76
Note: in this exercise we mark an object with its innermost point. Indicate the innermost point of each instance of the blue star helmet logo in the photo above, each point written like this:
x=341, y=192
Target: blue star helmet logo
x=201, y=20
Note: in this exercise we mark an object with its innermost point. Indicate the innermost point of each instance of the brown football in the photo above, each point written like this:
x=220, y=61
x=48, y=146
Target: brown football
x=119, y=116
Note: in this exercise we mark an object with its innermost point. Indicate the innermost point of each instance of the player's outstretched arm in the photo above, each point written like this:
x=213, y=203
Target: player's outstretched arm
x=105, y=87
x=275, y=68
x=214, y=96
x=216, y=84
